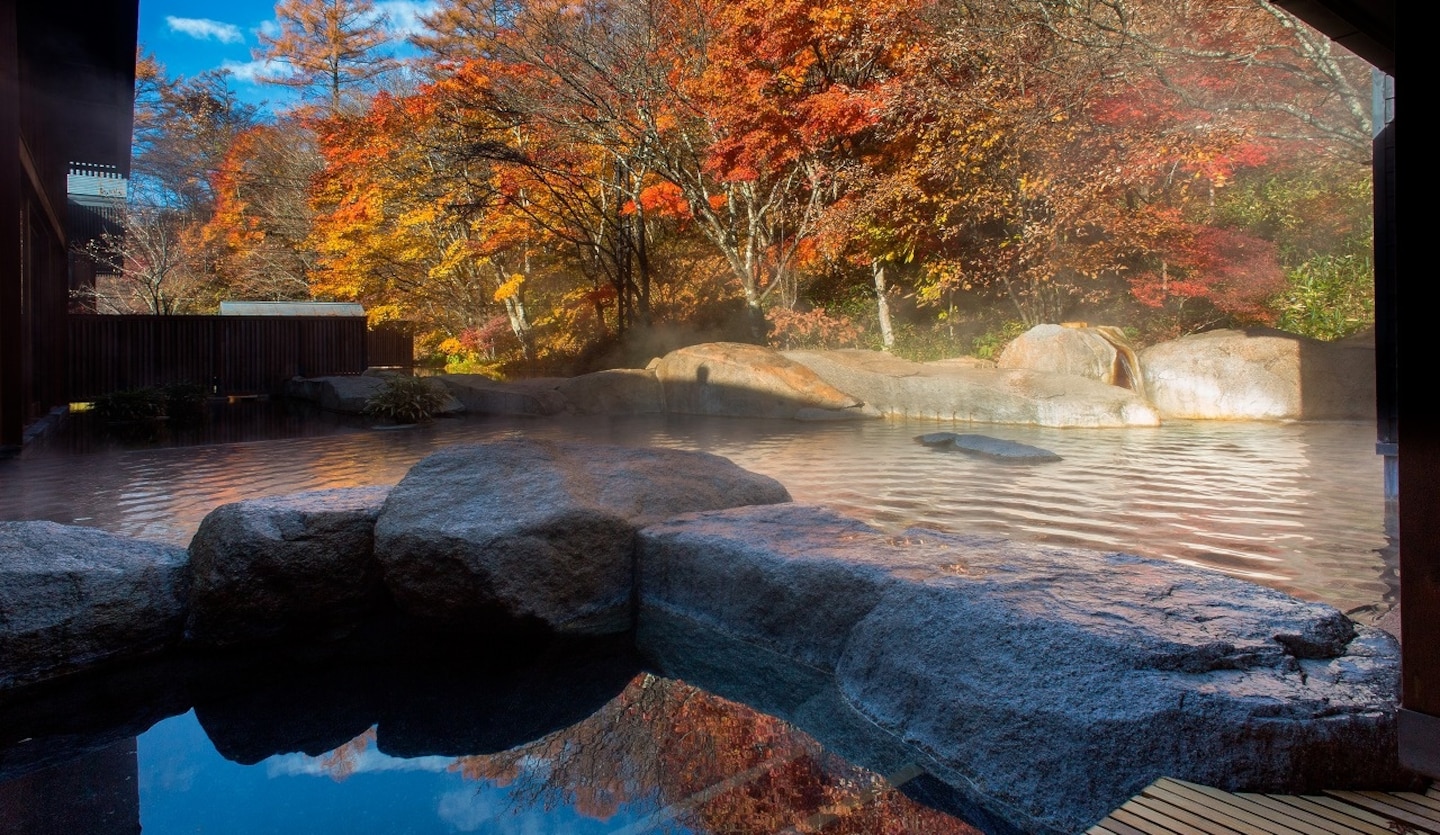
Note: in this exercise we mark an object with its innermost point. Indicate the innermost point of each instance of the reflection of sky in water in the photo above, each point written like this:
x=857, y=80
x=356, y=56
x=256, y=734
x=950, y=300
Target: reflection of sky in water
x=188, y=787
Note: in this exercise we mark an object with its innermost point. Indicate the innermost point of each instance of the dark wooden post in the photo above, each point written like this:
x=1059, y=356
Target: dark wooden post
x=13, y=395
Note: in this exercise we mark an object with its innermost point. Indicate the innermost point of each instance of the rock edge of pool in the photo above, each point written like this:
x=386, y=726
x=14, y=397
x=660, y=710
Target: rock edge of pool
x=1051, y=684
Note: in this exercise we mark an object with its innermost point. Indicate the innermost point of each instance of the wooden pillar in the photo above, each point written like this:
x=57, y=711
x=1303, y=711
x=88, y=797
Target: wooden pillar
x=13, y=394
x=1419, y=490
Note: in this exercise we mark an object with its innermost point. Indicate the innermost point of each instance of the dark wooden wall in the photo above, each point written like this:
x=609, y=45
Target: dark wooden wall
x=232, y=354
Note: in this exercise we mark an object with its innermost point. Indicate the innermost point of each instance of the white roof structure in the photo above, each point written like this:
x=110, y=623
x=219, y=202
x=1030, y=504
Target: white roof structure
x=291, y=309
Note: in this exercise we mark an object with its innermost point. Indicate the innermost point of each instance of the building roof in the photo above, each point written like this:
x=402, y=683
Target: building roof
x=241, y=308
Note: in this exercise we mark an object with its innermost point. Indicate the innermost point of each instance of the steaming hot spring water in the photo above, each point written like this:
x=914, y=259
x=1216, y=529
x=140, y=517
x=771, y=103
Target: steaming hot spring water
x=590, y=738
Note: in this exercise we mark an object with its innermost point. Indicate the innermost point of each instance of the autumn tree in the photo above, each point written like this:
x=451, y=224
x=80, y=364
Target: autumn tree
x=183, y=129
x=331, y=51
x=257, y=236
x=152, y=266
x=412, y=230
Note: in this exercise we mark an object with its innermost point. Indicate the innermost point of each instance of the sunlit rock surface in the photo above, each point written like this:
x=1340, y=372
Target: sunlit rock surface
x=1058, y=682
x=541, y=531
x=950, y=391
x=300, y=565
x=1098, y=353
x=73, y=597
x=1261, y=374
x=738, y=380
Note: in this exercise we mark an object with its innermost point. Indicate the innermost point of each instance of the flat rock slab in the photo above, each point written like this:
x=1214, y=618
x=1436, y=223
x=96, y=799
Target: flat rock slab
x=541, y=532
x=1056, y=682
x=617, y=391
x=72, y=598
x=985, y=446
x=485, y=396
x=298, y=565
x=958, y=392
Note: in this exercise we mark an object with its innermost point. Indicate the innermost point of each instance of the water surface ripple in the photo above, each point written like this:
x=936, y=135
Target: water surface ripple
x=1293, y=506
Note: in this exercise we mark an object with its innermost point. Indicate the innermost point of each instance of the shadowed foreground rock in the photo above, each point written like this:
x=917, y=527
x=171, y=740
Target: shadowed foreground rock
x=302, y=564
x=73, y=597
x=525, y=531
x=1057, y=682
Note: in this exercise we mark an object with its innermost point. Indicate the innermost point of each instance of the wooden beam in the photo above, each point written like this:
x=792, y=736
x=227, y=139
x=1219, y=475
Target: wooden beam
x=12, y=376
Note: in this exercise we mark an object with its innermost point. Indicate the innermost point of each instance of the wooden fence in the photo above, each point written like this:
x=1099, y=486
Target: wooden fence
x=232, y=354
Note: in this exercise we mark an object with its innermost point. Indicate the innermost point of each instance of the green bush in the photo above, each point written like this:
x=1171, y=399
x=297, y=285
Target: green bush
x=406, y=400
x=1327, y=297
x=988, y=345
x=132, y=404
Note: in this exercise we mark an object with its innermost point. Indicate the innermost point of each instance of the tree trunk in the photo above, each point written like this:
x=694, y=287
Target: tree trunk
x=882, y=306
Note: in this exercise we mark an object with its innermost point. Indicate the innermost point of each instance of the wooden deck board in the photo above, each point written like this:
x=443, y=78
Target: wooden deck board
x=1235, y=812
x=1175, y=807
x=1388, y=807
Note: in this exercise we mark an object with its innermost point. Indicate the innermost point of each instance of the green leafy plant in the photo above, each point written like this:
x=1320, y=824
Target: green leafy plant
x=131, y=405
x=988, y=345
x=1328, y=297
x=406, y=400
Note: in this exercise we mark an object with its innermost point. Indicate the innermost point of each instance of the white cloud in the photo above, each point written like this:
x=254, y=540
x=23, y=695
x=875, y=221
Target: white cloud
x=268, y=28
x=205, y=29
x=367, y=761
x=246, y=71
x=404, y=15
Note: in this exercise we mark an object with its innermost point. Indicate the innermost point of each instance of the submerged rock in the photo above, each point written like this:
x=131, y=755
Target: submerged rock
x=72, y=598
x=540, y=531
x=988, y=447
x=1055, y=682
x=299, y=565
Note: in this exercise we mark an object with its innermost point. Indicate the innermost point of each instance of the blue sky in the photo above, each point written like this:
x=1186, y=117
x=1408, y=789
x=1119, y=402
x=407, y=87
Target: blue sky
x=191, y=36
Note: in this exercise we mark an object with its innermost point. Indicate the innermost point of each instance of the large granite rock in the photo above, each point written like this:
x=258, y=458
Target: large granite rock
x=1098, y=353
x=518, y=531
x=298, y=565
x=618, y=391
x=348, y=393
x=1055, y=682
x=73, y=597
x=1261, y=374
x=739, y=380
x=949, y=391
x=482, y=395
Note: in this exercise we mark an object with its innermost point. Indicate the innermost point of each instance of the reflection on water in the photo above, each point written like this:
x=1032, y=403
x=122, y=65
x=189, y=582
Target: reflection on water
x=661, y=756
x=410, y=733
x=1294, y=506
